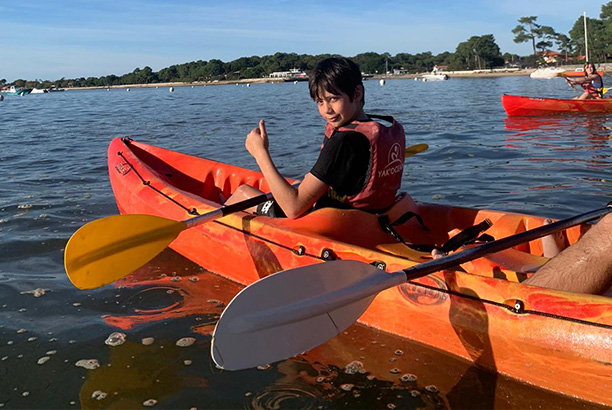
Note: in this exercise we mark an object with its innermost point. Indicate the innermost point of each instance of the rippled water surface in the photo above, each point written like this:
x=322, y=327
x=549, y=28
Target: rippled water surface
x=53, y=179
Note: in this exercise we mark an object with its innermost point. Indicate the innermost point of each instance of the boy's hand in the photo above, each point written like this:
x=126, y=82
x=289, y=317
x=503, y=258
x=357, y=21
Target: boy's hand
x=257, y=140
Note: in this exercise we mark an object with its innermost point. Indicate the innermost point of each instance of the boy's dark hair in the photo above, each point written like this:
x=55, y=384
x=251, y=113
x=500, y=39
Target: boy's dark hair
x=335, y=75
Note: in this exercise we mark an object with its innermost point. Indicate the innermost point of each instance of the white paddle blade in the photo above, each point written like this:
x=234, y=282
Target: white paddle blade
x=293, y=311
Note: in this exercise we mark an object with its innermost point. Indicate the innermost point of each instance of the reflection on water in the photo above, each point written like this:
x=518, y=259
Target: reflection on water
x=561, y=146
x=361, y=368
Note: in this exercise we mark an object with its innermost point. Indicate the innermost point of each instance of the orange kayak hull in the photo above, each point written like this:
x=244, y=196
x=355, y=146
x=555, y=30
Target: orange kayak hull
x=558, y=341
x=516, y=105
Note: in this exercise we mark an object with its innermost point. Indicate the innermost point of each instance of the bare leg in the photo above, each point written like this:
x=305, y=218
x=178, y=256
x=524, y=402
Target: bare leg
x=585, y=267
x=552, y=244
x=242, y=193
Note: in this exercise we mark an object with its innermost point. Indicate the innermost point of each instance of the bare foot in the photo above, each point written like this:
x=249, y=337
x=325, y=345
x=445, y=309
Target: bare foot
x=553, y=243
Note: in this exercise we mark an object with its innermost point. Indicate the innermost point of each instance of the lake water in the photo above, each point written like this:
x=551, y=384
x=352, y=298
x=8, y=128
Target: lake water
x=53, y=179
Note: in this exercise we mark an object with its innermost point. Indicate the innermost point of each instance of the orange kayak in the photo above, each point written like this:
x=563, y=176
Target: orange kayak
x=578, y=73
x=516, y=105
x=556, y=340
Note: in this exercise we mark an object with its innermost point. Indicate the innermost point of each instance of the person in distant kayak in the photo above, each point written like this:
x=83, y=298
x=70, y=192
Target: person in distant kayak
x=592, y=83
x=361, y=161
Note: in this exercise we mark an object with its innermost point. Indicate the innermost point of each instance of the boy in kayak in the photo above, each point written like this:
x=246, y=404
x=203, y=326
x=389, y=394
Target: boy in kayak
x=361, y=161
x=592, y=83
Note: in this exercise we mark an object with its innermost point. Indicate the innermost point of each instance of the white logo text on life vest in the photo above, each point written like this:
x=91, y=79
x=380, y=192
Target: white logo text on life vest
x=266, y=207
x=396, y=163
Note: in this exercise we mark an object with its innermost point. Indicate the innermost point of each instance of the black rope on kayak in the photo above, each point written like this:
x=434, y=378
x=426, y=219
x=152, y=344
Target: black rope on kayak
x=515, y=309
x=465, y=237
x=192, y=211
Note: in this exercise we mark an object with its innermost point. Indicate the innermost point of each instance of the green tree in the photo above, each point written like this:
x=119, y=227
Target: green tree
x=606, y=19
x=564, y=43
x=370, y=62
x=214, y=68
x=526, y=31
x=546, y=35
x=597, y=34
x=476, y=53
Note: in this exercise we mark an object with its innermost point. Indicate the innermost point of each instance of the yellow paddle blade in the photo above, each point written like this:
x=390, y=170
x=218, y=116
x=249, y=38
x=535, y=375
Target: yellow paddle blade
x=415, y=149
x=604, y=91
x=108, y=249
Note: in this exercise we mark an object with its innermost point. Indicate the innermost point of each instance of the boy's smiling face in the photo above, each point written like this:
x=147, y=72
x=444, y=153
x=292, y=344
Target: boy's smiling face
x=339, y=109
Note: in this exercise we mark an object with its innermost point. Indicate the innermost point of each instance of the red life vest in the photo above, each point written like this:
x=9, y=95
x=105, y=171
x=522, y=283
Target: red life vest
x=387, y=145
x=594, y=87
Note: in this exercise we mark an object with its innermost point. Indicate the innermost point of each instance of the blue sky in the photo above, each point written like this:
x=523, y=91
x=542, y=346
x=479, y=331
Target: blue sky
x=50, y=39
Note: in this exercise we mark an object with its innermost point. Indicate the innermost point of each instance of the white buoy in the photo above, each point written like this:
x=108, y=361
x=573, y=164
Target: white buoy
x=127, y=89
x=171, y=89
x=295, y=82
x=416, y=79
x=248, y=84
x=382, y=81
x=424, y=80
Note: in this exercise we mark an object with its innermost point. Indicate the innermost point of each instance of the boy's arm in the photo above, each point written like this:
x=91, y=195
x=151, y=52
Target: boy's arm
x=294, y=202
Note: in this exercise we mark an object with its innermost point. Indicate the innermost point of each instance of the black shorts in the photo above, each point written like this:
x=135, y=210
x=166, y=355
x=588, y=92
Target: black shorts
x=270, y=208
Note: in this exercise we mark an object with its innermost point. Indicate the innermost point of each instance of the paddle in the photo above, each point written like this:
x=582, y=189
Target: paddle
x=415, y=149
x=567, y=80
x=111, y=248
x=295, y=310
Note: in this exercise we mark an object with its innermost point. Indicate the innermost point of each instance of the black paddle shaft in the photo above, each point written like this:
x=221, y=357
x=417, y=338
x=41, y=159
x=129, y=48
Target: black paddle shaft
x=435, y=265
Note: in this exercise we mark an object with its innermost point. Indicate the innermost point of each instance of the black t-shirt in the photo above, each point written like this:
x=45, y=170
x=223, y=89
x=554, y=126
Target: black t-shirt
x=343, y=164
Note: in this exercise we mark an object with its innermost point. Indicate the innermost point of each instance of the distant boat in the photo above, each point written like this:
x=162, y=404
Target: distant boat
x=546, y=73
x=39, y=90
x=18, y=91
x=434, y=77
x=55, y=89
x=292, y=75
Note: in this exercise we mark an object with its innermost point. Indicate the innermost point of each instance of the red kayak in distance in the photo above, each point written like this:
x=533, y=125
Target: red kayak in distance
x=577, y=73
x=516, y=105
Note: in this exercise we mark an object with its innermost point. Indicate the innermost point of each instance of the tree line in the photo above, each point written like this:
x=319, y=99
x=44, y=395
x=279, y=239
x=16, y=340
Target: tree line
x=542, y=37
x=477, y=52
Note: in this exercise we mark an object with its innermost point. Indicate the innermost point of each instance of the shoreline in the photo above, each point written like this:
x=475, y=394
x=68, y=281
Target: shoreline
x=245, y=81
x=510, y=72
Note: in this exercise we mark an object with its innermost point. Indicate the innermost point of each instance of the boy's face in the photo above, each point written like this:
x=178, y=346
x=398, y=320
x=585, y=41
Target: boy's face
x=338, y=109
